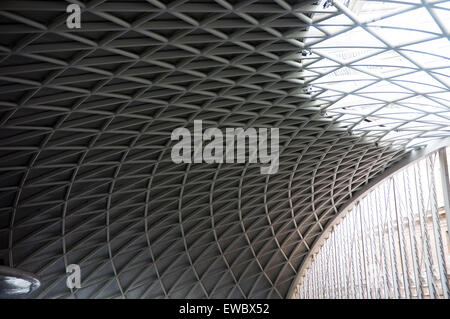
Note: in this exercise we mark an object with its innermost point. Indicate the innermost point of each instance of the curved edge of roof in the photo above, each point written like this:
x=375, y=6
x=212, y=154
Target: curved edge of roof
x=410, y=158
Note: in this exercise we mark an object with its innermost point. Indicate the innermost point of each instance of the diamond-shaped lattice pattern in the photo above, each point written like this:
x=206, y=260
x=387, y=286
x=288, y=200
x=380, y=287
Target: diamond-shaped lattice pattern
x=383, y=68
x=85, y=169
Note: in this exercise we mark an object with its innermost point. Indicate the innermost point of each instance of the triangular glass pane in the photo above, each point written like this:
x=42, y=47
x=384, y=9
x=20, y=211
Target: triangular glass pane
x=443, y=78
x=352, y=100
x=344, y=74
x=443, y=71
x=443, y=16
x=345, y=86
x=415, y=20
x=363, y=110
x=427, y=60
x=399, y=37
x=435, y=119
x=423, y=103
x=323, y=63
x=443, y=4
x=436, y=47
x=387, y=58
x=347, y=55
x=357, y=37
x=384, y=87
x=420, y=77
x=419, y=126
x=387, y=97
x=383, y=71
x=398, y=112
x=374, y=10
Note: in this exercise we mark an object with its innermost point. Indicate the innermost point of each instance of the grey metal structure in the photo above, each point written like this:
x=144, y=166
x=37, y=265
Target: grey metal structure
x=85, y=121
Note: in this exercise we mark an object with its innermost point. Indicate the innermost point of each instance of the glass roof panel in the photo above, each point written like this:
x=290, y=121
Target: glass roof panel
x=415, y=20
x=443, y=15
x=387, y=66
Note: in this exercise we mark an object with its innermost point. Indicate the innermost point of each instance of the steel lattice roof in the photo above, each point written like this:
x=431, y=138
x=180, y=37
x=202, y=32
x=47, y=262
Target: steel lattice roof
x=86, y=116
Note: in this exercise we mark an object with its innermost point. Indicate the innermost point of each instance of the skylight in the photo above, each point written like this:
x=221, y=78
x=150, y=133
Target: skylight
x=382, y=68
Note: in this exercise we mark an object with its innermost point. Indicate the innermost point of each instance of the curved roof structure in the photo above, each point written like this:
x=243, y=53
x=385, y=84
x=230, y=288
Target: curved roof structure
x=86, y=118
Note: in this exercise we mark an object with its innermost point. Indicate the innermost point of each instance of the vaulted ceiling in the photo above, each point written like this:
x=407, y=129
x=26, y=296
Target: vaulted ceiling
x=86, y=117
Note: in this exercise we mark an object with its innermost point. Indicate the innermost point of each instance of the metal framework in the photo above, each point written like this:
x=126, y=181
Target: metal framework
x=85, y=122
x=383, y=70
x=393, y=244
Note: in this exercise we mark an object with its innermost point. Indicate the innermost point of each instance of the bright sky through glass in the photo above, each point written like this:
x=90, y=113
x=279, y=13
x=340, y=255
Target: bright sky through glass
x=383, y=68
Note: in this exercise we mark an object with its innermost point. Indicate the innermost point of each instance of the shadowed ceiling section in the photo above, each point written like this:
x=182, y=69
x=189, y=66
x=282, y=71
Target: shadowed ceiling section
x=86, y=175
